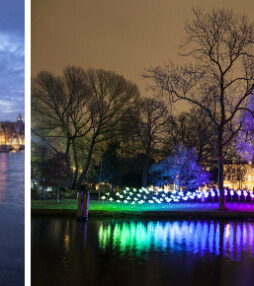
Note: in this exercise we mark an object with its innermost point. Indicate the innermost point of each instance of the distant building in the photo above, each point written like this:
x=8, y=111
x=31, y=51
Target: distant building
x=12, y=133
x=239, y=176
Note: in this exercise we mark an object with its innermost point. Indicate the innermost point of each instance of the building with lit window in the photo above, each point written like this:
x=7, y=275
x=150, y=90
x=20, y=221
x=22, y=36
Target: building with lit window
x=239, y=176
x=13, y=133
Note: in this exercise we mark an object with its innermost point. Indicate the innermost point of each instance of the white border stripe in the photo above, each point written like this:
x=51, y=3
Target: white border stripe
x=27, y=143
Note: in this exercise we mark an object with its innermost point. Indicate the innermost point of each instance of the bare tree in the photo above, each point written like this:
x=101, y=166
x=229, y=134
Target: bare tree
x=149, y=127
x=79, y=110
x=56, y=172
x=194, y=129
x=220, y=76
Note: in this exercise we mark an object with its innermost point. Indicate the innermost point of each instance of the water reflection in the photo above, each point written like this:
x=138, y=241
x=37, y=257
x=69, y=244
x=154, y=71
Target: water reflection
x=3, y=176
x=12, y=179
x=12, y=218
x=198, y=238
x=106, y=251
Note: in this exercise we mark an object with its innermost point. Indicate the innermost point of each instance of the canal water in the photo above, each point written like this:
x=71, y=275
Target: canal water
x=12, y=218
x=107, y=251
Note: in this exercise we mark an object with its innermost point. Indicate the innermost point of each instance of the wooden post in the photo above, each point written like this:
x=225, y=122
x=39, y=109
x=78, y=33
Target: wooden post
x=80, y=199
x=58, y=195
x=83, y=206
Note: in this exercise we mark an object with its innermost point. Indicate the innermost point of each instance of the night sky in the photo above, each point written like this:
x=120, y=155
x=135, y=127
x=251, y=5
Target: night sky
x=11, y=59
x=125, y=36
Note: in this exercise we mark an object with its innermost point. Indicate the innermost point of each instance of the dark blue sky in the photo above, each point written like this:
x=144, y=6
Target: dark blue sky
x=11, y=59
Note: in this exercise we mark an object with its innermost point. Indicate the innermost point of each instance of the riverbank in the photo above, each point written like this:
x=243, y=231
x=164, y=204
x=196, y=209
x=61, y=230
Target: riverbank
x=146, y=210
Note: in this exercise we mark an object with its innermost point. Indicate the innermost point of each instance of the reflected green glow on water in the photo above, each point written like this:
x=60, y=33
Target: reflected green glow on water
x=200, y=238
x=108, y=251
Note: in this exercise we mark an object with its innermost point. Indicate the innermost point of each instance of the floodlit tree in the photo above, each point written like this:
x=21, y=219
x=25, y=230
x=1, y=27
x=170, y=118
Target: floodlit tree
x=78, y=110
x=219, y=78
x=181, y=169
x=245, y=139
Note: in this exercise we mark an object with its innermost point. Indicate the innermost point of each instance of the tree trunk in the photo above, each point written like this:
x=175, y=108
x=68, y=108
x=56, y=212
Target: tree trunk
x=43, y=193
x=75, y=177
x=58, y=195
x=145, y=170
x=100, y=181
x=83, y=174
x=220, y=179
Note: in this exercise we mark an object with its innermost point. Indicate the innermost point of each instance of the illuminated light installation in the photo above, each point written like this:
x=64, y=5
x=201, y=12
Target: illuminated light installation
x=231, y=194
x=157, y=196
x=137, y=238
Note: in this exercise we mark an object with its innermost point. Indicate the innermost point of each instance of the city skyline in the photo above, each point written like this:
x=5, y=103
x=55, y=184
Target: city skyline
x=12, y=133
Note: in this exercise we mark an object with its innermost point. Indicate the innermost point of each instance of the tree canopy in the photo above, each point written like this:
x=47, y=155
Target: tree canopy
x=219, y=76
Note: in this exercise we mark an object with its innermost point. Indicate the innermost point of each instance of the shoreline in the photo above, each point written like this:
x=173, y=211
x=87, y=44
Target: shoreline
x=149, y=214
x=68, y=208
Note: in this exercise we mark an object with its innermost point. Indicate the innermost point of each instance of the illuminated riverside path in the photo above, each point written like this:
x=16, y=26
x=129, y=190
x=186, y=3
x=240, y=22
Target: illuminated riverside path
x=12, y=218
x=110, y=251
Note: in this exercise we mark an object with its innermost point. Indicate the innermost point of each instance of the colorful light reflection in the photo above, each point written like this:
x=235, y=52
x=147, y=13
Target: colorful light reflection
x=199, y=238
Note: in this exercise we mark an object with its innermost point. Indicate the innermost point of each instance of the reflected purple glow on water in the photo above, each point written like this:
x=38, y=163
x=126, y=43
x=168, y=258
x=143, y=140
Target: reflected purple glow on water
x=108, y=251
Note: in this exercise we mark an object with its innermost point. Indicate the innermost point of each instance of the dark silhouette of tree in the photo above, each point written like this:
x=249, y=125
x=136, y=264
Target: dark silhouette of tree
x=56, y=172
x=40, y=153
x=146, y=130
x=107, y=168
x=118, y=167
x=194, y=130
x=75, y=112
x=220, y=76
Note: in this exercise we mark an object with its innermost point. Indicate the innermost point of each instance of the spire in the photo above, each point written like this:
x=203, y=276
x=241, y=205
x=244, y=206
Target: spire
x=19, y=118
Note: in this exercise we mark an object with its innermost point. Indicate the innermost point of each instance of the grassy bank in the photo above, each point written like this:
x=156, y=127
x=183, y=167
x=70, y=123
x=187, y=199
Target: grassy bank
x=184, y=210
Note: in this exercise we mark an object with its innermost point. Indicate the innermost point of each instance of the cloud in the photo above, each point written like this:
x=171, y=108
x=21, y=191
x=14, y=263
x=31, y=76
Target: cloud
x=11, y=59
x=12, y=76
x=12, y=17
